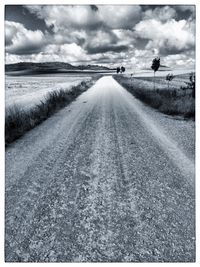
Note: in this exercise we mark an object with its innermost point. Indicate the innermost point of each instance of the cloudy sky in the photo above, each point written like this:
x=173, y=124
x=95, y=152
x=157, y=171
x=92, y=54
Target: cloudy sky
x=106, y=35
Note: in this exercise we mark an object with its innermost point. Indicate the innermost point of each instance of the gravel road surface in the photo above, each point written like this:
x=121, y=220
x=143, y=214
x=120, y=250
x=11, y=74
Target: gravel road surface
x=106, y=179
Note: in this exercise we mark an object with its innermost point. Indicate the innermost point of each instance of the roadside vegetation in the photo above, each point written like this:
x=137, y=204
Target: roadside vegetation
x=178, y=99
x=19, y=120
x=169, y=78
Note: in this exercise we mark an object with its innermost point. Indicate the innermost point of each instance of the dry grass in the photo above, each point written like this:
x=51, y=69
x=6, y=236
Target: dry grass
x=18, y=120
x=177, y=100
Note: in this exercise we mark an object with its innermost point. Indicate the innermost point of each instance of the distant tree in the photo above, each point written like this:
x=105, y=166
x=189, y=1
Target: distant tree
x=118, y=69
x=155, y=66
x=169, y=78
x=132, y=74
x=122, y=69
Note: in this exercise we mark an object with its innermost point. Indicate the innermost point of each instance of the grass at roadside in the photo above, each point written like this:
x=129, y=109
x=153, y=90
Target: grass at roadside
x=19, y=120
x=177, y=100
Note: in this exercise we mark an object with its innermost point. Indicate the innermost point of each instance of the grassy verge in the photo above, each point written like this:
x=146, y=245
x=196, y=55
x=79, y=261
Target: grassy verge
x=173, y=101
x=18, y=120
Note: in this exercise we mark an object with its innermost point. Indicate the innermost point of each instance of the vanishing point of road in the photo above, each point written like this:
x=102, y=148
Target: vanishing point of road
x=101, y=181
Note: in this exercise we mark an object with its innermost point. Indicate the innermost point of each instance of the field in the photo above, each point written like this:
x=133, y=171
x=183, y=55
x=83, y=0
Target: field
x=31, y=100
x=177, y=99
x=27, y=91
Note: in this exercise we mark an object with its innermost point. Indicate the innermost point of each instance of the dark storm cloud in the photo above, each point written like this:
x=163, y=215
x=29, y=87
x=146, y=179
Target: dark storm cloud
x=182, y=12
x=27, y=49
x=8, y=40
x=185, y=11
x=168, y=49
x=141, y=42
x=107, y=48
x=18, y=13
x=94, y=7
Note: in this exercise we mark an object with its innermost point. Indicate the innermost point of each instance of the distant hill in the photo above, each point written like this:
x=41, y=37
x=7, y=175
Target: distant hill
x=93, y=67
x=30, y=68
x=34, y=66
x=163, y=66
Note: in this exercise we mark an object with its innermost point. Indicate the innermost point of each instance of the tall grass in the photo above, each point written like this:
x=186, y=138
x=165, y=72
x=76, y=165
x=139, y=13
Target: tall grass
x=18, y=120
x=176, y=101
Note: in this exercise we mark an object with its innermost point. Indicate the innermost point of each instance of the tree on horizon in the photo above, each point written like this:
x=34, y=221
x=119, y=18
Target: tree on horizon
x=118, y=69
x=155, y=66
x=122, y=69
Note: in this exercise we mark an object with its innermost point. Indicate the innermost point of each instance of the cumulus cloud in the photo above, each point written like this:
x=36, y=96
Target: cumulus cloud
x=170, y=37
x=103, y=41
x=120, y=17
x=68, y=52
x=89, y=26
x=19, y=40
x=180, y=60
x=90, y=17
x=160, y=13
x=104, y=34
x=60, y=17
x=10, y=30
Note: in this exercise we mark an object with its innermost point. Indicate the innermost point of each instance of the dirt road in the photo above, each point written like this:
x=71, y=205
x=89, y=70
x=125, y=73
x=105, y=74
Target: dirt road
x=105, y=179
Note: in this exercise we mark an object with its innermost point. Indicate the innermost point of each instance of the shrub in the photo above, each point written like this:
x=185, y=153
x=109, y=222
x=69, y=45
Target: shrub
x=171, y=102
x=169, y=78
